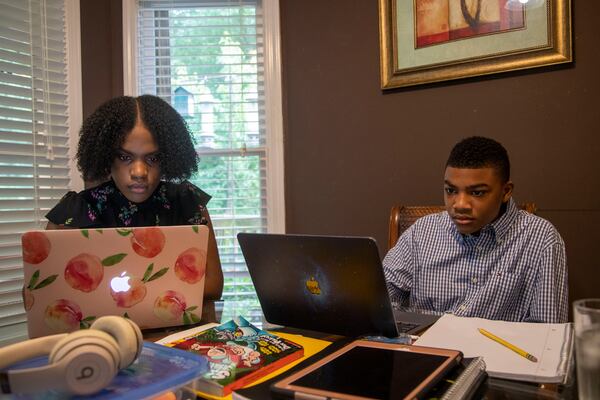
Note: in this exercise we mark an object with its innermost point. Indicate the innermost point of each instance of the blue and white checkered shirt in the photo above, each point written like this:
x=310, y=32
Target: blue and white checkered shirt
x=514, y=270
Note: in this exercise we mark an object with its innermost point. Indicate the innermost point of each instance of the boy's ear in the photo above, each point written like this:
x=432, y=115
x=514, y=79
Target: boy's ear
x=507, y=189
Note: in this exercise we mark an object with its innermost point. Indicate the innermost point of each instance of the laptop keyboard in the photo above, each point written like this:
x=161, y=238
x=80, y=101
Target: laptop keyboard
x=405, y=327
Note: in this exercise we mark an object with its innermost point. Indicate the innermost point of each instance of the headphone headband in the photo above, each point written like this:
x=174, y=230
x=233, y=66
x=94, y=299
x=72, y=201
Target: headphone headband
x=28, y=349
x=82, y=362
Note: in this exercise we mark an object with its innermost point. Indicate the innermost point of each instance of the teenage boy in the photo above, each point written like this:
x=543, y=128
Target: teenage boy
x=482, y=257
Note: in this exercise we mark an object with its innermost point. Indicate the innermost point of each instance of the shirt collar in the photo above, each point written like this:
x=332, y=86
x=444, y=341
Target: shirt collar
x=502, y=225
x=499, y=227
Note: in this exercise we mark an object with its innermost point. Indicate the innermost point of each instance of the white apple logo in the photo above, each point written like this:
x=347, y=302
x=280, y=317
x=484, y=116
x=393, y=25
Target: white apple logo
x=120, y=283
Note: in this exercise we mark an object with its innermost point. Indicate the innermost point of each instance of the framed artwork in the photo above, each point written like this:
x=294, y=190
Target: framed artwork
x=424, y=41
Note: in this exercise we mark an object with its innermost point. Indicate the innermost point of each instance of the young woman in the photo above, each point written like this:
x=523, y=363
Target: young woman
x=141, y=152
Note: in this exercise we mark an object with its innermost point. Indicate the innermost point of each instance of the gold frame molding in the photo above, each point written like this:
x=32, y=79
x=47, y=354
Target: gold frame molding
x=557, y=51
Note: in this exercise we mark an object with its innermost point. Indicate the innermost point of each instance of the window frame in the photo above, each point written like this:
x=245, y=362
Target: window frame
x=18, y=332
x=74, y=82
x=275, y=165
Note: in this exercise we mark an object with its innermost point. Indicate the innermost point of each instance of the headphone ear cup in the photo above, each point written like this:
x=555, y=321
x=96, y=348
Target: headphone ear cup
x=127, y=335
x=89, y=358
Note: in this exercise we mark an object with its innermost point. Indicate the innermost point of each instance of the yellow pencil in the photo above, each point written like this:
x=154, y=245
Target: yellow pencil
x=510, y=346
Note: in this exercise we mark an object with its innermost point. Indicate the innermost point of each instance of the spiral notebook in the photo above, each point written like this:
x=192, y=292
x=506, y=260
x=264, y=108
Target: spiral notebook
x=551, y=344
x=463, y=383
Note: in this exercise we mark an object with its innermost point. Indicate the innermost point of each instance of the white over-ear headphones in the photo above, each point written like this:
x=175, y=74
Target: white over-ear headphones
x=82, y=362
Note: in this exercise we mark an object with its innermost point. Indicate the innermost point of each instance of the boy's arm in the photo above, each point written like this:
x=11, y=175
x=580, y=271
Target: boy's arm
x=398, y=269
x=550, y=299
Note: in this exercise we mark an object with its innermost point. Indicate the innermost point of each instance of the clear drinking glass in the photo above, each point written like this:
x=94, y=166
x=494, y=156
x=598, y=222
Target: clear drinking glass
x=586, y=314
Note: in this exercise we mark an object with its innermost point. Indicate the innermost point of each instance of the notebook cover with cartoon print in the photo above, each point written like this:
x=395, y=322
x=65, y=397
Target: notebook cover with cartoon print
x=238, y=354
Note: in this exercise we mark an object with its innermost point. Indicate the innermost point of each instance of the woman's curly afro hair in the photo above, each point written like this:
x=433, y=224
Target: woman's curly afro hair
x=103, y=133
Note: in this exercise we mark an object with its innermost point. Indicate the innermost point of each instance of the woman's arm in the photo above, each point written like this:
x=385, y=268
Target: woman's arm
x=213, y=285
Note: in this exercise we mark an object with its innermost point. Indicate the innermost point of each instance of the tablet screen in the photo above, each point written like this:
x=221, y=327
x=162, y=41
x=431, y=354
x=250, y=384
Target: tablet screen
x=373, y=372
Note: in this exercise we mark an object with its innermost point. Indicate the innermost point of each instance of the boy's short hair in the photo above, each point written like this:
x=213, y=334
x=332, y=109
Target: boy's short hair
x=480, y=152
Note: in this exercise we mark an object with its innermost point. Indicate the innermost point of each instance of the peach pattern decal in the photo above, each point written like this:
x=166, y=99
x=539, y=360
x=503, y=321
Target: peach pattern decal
x=191, y=265
x=170, y=306
x=86, y=233
x=36, y=247
x=85, y=271
x=137, y=288
x=28, y=298
x=147, y=242
x=135, y=293
x=65, y=316
x=92, y=272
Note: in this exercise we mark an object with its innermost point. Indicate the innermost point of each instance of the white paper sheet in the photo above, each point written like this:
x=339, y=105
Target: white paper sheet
x=550, y=343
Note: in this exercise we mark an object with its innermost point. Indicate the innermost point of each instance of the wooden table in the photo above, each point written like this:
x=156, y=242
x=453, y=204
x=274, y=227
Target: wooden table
x=492, y=389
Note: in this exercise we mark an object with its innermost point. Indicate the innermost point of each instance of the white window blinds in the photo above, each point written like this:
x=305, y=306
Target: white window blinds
x=34, y=160
x=206, y=59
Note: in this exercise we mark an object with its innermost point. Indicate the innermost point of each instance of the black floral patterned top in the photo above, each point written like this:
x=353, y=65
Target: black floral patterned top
x=104, y=206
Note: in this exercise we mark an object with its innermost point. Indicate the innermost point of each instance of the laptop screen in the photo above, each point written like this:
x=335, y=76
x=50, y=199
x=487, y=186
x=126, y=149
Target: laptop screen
x=153, y=275
x=323, y=283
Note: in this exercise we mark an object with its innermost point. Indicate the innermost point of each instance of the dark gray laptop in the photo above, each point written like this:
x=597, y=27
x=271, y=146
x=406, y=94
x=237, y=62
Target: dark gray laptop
x=330, y=284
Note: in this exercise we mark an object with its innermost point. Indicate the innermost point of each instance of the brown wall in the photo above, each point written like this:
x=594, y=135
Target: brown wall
x=351, y=151
x=101, y=52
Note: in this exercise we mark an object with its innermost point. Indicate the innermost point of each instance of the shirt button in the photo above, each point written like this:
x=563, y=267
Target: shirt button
x=474, y=280
x=462, y=308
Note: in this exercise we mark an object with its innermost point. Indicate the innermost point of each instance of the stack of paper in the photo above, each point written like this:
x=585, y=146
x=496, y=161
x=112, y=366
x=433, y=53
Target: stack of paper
x=551, y=344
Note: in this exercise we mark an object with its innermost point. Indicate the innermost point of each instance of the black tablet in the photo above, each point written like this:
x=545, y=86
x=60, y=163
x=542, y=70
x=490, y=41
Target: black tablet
x=370, y=370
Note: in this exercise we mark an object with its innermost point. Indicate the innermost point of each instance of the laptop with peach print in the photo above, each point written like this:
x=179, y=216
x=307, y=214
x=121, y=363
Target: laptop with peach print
x=153, y=275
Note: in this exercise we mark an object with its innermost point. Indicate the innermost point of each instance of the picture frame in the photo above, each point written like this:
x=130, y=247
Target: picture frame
x=426, y=41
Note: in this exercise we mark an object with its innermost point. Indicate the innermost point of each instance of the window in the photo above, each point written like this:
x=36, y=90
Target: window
x=34, y=134
x=216, y=62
